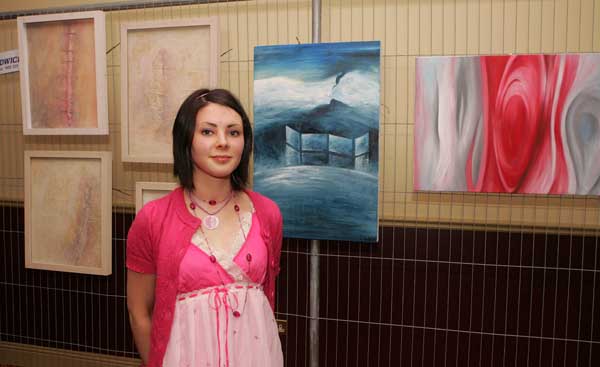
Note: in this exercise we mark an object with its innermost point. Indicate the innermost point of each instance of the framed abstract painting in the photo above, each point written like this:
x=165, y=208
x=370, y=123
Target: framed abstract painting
x=68, y=211
x=148, y=191
x=161, y=64
x=63, y=74
x=316, y=118
x=508, y=124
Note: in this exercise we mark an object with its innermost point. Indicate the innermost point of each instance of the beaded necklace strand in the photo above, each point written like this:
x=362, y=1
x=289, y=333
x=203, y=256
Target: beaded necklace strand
x=211, y=220
x=212, y=257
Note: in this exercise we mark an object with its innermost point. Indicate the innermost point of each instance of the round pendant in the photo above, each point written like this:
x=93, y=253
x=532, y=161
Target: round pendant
x=211, y=222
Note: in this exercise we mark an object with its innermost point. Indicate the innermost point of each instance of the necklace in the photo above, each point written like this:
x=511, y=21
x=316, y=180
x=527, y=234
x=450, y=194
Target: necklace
x=213, y=259
x=211, y=221
x=213, y=202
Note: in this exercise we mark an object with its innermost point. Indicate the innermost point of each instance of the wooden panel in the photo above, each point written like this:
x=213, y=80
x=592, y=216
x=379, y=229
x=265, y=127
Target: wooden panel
x=596, y=28
x=522, y=27
x=560, y=29
x=30, y=355
x=586, y=26
x=497, y=17
x=472, y=22
x=485, y=27
x=509, y=37
x=438, y=28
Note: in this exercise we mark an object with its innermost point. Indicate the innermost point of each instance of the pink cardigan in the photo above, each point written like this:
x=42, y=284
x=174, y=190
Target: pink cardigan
x=157, y=241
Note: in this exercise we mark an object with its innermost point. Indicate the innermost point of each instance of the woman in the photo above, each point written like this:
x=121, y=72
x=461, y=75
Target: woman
x=202, y=260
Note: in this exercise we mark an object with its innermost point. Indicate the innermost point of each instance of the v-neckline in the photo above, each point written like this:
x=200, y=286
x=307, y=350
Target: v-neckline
x=221, y=260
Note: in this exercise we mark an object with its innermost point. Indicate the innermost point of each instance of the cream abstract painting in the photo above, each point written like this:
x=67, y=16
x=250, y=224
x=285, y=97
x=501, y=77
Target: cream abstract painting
x=67, y=209
x=63, y=76
x=164, y=63
x=145, y=192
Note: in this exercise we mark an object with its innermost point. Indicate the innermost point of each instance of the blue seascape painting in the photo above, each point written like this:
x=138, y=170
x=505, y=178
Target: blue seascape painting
x=316, y=136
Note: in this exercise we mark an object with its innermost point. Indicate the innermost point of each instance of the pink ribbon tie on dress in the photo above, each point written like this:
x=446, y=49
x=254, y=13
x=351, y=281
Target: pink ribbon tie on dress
x=220, y=297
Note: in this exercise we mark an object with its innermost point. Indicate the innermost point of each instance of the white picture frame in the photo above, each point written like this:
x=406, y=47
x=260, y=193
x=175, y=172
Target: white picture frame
x=68, y=211
x=162, y=62
x=63, y=73
x=148, y=191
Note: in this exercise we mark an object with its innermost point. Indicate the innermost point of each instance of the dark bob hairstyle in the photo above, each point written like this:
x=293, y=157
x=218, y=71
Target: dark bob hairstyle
x=183, y=134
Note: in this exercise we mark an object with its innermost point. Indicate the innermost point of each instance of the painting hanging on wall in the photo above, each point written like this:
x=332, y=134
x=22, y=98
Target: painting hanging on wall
x=316, y=117
x=63, y=74
x=68, y=211
x=148, y=191
x=508, y=124
x=161, y=64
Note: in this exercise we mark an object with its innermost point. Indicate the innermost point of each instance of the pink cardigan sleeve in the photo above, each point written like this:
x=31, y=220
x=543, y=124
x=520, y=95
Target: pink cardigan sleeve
x=276, y=237
x=140, y=244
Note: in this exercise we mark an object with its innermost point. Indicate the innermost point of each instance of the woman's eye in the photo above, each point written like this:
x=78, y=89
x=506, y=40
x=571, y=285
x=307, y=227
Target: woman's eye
x=235, y=133
x=205, y=132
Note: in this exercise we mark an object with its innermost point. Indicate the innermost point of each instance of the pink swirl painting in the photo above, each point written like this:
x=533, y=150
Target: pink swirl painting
x=508, y=124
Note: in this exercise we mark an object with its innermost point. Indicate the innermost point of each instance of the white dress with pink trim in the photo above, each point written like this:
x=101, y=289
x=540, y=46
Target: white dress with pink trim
x=222, y=316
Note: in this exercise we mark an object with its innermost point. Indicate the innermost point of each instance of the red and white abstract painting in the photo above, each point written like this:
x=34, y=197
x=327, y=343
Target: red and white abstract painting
x=508, y=124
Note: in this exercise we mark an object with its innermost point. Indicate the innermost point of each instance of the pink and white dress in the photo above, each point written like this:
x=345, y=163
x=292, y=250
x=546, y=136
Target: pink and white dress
x=222, y=316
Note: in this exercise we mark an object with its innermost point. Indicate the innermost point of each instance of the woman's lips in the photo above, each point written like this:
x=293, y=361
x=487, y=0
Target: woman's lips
x=221, y=158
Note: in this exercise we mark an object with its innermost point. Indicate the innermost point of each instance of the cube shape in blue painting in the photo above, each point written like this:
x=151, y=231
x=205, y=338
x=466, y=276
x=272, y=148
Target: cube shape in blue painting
x=316, y=120
x=341, y=145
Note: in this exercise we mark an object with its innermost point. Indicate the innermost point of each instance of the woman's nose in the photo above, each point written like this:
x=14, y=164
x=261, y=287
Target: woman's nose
x=221, y=139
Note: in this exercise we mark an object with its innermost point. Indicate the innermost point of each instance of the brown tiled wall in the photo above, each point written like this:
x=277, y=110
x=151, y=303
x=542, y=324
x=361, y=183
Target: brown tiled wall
x=420, y=297
x=437, y=297
x=64, y=310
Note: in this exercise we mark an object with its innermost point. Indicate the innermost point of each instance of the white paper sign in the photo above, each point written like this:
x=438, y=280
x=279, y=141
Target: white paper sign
x=9, y=61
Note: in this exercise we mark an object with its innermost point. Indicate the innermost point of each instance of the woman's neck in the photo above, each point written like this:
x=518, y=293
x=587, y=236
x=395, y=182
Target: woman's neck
x=211, y=188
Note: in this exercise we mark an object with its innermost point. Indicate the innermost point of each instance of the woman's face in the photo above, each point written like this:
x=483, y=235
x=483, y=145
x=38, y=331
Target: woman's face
x=218, y=141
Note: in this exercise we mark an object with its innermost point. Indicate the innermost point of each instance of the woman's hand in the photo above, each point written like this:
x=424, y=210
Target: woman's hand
x=140, y=302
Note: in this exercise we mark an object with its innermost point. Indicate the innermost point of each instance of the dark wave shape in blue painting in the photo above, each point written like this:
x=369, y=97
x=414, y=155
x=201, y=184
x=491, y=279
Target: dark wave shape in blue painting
x=311, y=62
x=316, y=112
